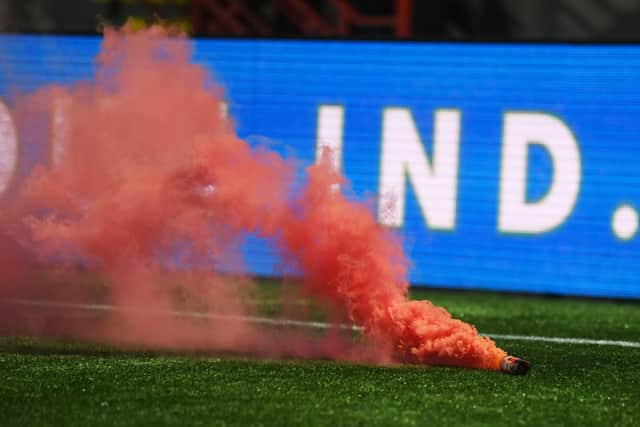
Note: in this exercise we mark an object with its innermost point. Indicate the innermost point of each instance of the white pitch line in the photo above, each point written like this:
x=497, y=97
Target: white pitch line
x=562, y=340
x=189, y=314
x=299, y=323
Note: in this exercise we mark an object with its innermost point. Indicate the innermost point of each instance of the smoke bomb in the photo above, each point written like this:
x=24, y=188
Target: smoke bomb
x=149, y=199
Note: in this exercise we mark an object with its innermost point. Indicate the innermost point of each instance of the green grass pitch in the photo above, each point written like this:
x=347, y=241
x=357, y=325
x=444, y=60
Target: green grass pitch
x=73, y=384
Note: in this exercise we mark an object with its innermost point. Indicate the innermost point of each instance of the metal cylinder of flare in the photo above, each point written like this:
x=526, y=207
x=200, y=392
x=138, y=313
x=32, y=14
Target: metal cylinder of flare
x=514, y=365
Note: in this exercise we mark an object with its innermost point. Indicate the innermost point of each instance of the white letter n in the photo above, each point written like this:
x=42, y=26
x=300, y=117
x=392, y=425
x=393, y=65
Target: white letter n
x=403, y=156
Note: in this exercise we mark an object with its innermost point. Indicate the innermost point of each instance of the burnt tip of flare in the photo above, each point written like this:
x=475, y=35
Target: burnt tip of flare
x=514, y=365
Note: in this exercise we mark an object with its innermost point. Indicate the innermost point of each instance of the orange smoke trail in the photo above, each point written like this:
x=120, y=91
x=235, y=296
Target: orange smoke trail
x=152, y=168
x=360, y=266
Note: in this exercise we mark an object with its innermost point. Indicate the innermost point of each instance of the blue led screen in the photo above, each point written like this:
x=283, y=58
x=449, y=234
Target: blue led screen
x=508, y=167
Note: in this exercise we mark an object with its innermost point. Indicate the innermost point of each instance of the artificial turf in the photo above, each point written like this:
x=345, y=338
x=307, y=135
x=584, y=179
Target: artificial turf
x=62, y=383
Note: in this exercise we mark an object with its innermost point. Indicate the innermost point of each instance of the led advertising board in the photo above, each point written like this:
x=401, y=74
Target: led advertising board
x=509, y=167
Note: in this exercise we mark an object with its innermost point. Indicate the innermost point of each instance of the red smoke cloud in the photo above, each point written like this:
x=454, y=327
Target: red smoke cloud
x=153, y=175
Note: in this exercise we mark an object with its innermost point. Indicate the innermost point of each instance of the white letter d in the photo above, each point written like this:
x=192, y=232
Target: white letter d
x=515, y=214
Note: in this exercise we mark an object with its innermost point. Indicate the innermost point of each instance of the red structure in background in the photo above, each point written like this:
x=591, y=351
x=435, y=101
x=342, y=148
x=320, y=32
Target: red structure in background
x=236, y=17
x=228, y=17
x=400, y=22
